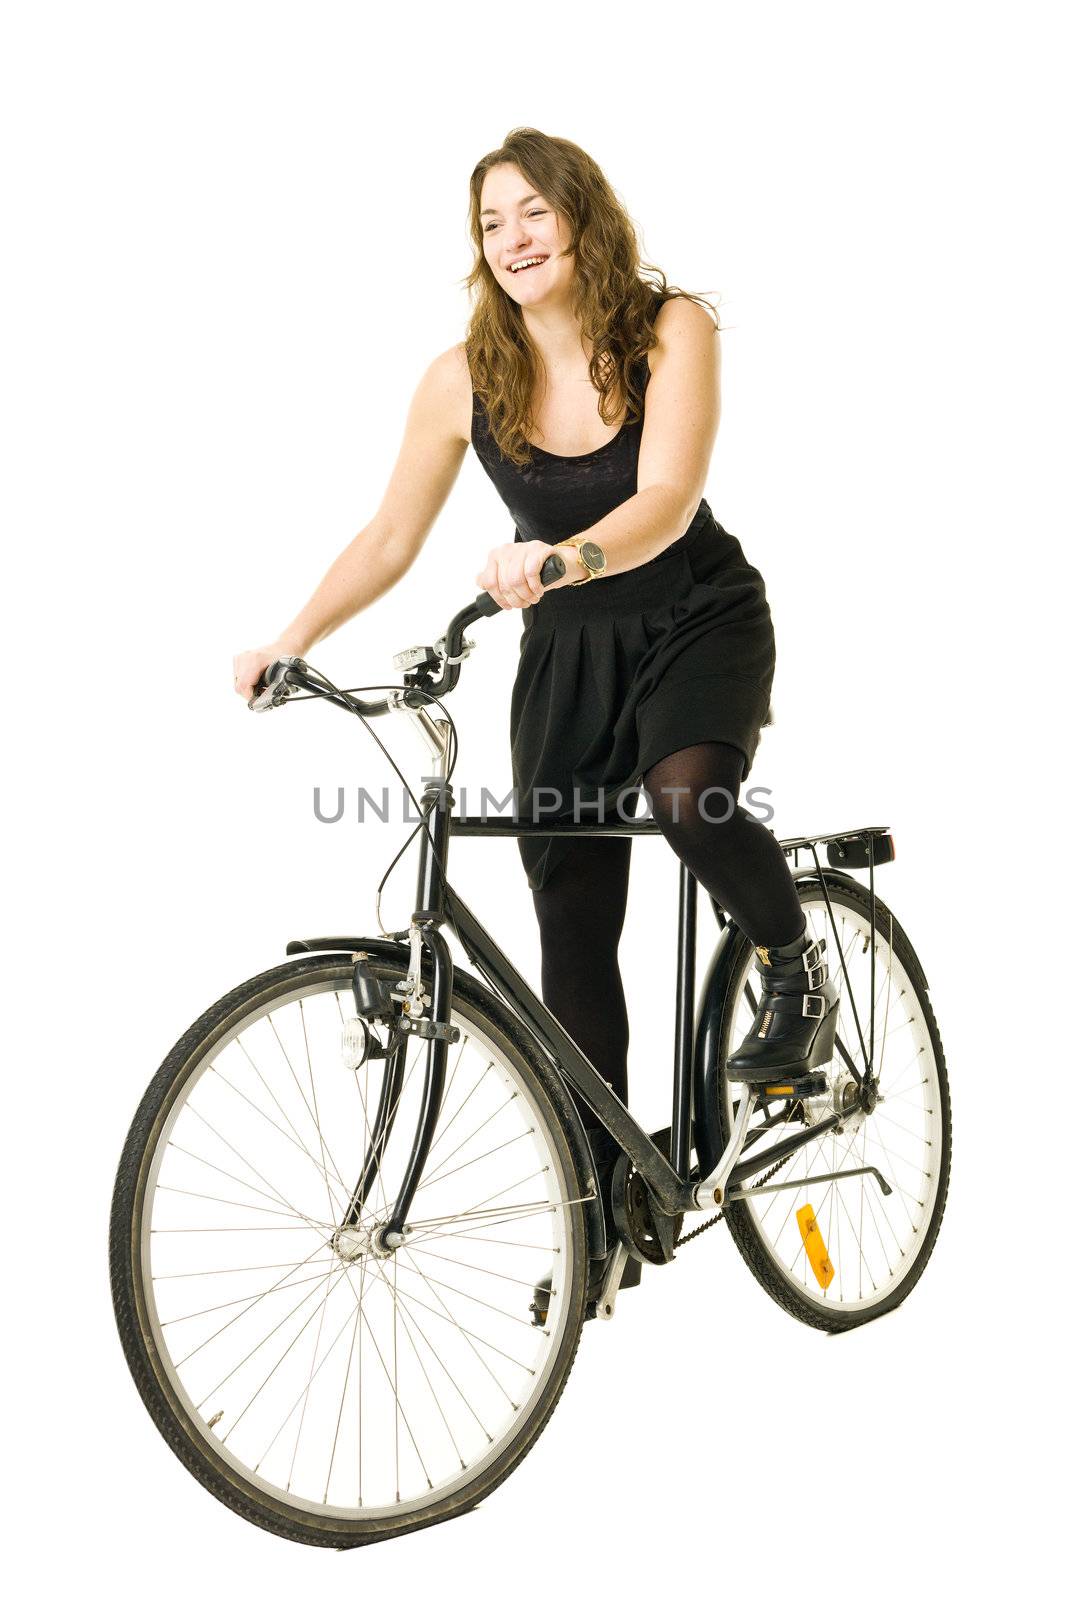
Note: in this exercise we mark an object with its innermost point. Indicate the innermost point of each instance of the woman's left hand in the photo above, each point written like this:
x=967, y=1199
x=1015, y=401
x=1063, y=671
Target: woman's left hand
x=512, y=574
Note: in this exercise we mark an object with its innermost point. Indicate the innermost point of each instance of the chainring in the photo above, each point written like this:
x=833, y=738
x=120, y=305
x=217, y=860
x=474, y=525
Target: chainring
x=648, y=1233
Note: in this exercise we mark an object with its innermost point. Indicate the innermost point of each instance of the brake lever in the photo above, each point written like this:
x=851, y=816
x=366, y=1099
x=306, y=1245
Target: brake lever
x=277, y=690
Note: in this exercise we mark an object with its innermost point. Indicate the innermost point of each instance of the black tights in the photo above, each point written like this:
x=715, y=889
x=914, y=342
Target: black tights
x=582, y=906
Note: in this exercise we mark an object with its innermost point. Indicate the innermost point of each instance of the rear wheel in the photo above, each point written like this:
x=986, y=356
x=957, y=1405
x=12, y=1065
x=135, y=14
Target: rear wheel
x=327, y=1392
x=876, y=1244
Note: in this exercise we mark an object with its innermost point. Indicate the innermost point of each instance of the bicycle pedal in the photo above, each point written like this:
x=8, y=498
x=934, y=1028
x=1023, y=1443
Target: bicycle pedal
x=805, y=1088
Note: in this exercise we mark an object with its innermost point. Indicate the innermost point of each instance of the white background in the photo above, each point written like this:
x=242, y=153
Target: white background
x=235, y=239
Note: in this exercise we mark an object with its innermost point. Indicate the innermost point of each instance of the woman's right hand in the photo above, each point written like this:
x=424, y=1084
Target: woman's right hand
x=248, y=667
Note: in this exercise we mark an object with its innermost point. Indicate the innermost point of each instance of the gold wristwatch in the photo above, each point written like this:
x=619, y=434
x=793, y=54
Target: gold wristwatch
x=591, y=556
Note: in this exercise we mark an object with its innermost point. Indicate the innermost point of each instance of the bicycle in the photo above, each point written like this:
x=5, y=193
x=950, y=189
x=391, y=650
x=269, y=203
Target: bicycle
x=371, y=1237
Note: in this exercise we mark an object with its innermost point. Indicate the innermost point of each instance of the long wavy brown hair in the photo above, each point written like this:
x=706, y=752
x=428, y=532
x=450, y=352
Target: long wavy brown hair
x=614, y=295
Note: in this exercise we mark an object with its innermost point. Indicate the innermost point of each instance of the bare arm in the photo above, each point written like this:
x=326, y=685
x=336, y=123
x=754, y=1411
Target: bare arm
x=682, y=415
x=425, y=471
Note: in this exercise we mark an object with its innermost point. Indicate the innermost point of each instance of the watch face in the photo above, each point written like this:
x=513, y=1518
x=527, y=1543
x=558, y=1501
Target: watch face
x=593, y=556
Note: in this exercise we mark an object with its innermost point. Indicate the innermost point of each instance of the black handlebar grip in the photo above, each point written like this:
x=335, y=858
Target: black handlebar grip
x=553, y=569
x=268, y=689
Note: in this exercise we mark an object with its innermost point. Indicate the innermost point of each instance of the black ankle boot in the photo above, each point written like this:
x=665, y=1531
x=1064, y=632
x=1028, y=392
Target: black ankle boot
x=795, y=1026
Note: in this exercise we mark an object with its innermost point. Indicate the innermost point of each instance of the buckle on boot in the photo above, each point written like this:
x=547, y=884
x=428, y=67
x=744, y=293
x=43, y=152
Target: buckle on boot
x=814, y=956
x=809, y=1001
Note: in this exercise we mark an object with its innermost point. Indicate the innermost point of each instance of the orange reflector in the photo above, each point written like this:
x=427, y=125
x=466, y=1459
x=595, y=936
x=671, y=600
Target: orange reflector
x=782, y=1088
x=814, y=1245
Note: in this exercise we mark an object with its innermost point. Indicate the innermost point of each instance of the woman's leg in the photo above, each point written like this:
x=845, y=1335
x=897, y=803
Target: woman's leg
x=694, y=798
x=580, y=912
x=736, y=860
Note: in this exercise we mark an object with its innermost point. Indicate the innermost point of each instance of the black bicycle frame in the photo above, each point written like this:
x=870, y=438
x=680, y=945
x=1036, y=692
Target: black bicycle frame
x=697, y=1056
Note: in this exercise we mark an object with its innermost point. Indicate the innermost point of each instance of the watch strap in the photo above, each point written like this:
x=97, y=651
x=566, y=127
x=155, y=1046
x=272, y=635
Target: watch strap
x=577, y=541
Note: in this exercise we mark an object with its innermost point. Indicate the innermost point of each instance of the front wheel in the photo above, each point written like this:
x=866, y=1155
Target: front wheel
x=328, y=1392
x=876, y=1244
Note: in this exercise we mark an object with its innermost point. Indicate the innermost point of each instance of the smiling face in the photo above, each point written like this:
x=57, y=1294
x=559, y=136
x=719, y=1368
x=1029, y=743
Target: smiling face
x=521, y=227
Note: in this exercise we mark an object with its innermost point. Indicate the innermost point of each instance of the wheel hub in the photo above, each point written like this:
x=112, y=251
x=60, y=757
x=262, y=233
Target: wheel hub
x=355, y=1242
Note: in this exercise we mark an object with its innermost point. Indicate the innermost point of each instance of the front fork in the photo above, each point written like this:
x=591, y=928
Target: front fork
x=422, y=1015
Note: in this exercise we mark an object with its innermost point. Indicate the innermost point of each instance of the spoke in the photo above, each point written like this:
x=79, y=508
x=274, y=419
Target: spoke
x=488, y=1305
x=341, y=1408
x=920, y=1138
x=471, y=1339
x=470, y=1236
x=337, y=1276
x=251, y=1168
x=796, y=1192
x=307, y=1386
x=399, y=1409
x=220, y=1272
x=440, y=1136
x=243, y=1300
x=912, y=1065
x=420, y=1360
x=862, y=1213
x=523, y=1208
x=446, y=1316
x=429, y=1177
x=471, y=1266
x=472, y=1163
x=888, y=993
x=304, y=1098
x=265, y=1339
x=315, y=1103
x=300, y=1145
x=296, y=1132
x=257, y=1227
x=910, y=1097
x=895, y=1181
x=895, y=1154
x=360, y=1392
x=857, y=1237
x=219, y=1200
x=407, y=1318
x=464, y=1399
x=239, y=1314
x=225, y=1173
x=493, y=1220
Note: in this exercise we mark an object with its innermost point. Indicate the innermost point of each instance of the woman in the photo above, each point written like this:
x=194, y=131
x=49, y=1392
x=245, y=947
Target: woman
x=652, y=660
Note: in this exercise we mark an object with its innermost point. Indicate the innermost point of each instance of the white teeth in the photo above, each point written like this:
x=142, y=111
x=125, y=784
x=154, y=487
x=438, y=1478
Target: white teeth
x=530, y=261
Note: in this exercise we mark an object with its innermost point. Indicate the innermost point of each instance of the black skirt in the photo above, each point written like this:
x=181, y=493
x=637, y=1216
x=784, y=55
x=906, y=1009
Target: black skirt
x=621, y=671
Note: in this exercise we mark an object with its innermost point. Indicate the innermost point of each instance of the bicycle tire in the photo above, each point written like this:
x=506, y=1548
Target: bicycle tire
x=484, y=1011
x=778, y=1284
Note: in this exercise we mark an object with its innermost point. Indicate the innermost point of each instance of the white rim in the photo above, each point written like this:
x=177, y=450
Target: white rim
x=367, y=1388
x=872, y=1240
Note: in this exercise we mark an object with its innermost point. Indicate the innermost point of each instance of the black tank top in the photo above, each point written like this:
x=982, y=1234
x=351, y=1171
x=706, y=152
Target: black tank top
x=554, y=497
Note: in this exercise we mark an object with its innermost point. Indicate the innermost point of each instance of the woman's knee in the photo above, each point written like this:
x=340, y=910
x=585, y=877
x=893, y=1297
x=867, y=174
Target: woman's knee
x=697, y=785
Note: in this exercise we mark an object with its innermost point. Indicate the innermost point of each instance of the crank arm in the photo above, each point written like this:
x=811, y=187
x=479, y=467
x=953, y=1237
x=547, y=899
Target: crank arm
x=710, y=1191
x=605, y=1305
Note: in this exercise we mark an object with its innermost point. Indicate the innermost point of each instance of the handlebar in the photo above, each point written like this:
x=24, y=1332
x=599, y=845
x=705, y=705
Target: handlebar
x=281, y=677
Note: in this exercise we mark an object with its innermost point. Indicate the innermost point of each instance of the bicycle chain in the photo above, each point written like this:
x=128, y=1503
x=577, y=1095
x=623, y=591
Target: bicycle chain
x=762, y=1181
